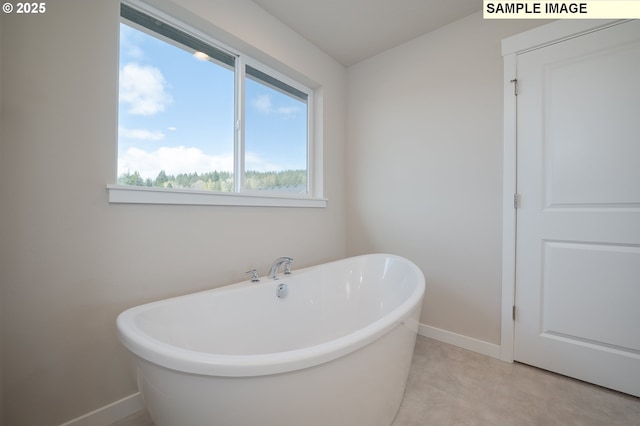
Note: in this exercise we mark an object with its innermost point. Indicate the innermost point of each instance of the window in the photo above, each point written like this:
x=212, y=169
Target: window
x=197, y=118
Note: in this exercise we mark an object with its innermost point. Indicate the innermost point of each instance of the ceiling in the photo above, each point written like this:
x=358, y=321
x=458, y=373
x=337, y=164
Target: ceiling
x=353, y=30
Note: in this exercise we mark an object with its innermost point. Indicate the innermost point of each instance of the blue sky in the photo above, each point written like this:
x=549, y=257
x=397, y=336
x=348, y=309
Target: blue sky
x=176, y=113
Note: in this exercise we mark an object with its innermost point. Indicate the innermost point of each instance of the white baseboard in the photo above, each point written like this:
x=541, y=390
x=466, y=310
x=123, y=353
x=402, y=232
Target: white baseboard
x=110, y=413
x=459, y=340
x=125, y=407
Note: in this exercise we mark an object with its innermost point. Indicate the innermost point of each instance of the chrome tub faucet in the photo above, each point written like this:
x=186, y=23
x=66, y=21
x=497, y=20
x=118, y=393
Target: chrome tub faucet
x=287, y=261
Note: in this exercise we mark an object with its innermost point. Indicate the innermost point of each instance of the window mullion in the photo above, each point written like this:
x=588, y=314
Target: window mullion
x=239, y=160
x=311, y=166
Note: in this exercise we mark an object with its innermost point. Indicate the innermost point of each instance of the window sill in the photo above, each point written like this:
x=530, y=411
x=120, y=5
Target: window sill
x=145, y=195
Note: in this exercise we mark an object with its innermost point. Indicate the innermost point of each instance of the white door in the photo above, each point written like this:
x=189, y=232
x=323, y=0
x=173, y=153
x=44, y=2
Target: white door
x=578, y=222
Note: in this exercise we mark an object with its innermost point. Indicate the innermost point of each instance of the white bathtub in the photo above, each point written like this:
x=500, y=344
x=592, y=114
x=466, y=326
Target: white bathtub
x=335, y=351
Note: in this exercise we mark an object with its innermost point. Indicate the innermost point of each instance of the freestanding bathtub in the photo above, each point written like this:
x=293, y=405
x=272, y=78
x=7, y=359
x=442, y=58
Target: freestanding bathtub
x=335, y=351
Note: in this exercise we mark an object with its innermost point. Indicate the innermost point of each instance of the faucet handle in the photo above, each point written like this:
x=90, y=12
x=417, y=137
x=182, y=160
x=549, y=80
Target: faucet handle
x=287, y=266
x=254, y=275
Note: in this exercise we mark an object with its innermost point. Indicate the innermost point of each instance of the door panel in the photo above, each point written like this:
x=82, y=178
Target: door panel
x=580, y=300
x=588, y=125
x=578, y=225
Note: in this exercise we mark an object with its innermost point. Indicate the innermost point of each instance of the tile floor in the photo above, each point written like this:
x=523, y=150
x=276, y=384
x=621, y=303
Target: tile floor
x=452, y=386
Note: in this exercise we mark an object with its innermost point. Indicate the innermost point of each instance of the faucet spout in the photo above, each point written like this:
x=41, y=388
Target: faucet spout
x=287, y=261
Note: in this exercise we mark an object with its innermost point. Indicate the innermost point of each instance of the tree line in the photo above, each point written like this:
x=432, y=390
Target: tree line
x=219, y=181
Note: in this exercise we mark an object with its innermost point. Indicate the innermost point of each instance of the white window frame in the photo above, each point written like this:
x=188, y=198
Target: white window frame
x=240, y=196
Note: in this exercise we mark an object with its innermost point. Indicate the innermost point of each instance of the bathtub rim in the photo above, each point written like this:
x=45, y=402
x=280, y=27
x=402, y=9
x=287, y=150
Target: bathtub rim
x=189, y=361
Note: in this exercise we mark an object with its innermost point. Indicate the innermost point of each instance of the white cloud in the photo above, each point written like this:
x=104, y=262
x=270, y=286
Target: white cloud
x=143, y=88
x=256, y=163
x=288, y=111
x=130, y=41
x=141, y=134
x=134, y=51
x=263, y=104
x=173, y=160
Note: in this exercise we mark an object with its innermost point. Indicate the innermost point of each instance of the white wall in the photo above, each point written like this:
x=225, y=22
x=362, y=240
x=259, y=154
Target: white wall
x=424, y=167
x=70, y=261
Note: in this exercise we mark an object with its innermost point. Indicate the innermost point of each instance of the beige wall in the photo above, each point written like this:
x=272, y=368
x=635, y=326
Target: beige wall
x=424, y=159
x=70, y=261
x=423, y=171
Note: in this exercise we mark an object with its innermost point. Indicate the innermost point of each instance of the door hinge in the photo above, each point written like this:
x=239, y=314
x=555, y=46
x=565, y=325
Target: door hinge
x=516, y=201
x=513, y=312
x=515, y=86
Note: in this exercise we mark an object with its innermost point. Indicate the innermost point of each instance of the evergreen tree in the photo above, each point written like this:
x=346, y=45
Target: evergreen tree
x=131, y=179
x=161, y=179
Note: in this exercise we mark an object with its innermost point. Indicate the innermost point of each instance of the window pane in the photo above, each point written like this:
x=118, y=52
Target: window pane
x=275, y=135
x=176, y=115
